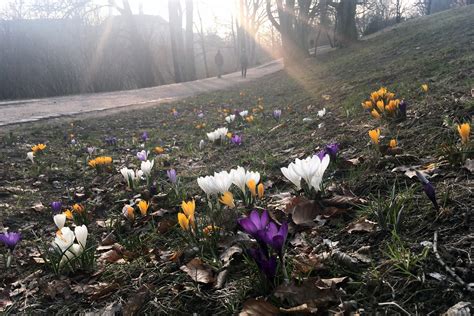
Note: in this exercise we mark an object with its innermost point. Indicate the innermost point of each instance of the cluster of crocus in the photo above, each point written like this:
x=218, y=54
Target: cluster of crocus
x=129, y=212
x=100, y=162
x=132, y=177
x=464, y=131
x=220, y=182
x=311, y=170
x=383, y=103
x=218, y=134
x=268, y=236
x=230, y=118
x=38, y=148
x=64, y=243
x=186, y=218
x=10, y=240
x=244, y=179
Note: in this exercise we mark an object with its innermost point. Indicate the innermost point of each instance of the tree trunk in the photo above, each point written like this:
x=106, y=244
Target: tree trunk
x=190, y=63
x=176, y=38
x=346, y=30
x=203, y=46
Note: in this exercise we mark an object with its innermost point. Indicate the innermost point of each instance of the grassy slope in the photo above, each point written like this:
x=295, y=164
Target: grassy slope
x=437, y=50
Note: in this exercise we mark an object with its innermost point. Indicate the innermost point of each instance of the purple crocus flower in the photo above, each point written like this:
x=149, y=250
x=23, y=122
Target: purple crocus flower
x=172, y=175
x=10, y=240
x=111, y=141
x=428, y=188
x=200, y=115
x=153, y=189
x=90, y=150
x=277, y=114
x=142, y=155
x=144, y=136
x=332, y=149
x=267, y=265
x=255, y=225
x=56, y=206
x=276, y=237
x=403, y=108
x=236, y=140
x=321, y=154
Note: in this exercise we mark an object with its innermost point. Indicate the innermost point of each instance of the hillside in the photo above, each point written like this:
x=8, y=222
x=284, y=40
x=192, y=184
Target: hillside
x=370, y=242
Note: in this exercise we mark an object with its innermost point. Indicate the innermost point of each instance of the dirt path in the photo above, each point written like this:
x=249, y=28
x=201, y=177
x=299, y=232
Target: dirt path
x=15, y=112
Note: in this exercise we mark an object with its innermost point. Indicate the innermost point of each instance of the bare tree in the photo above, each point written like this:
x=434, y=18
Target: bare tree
x=176, y=38
x=200, y=30
x=190, y=63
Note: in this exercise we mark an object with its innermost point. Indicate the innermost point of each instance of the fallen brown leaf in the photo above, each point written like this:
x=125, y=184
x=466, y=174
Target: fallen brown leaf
x=304, y=212
x=103, y=290
x=361, y=225
x=198, y=271
x=312, y=291
x=258, y=307
x=136, y=300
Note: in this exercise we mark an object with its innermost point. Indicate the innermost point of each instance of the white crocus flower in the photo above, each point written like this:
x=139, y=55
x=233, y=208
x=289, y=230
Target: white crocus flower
x=31, y=156
x=219, y=133
x=244, y=113
x=201, y=144
x=59, y=220
x=207, y=185
x=146, y=167
x=230, y=118
x=81, y=233
x=318, y=176
x=291, y=175
x=307, y=168
x=322, y=112
x=311, y=170
x=240, y=177
x=131, y=176
x=222, y=181
x=64, y=239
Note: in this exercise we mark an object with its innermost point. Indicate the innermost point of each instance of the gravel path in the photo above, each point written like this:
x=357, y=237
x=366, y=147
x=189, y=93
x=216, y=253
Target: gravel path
x=15, y=112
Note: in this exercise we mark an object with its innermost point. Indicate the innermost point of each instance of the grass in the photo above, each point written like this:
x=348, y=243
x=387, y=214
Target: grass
x=434, y=50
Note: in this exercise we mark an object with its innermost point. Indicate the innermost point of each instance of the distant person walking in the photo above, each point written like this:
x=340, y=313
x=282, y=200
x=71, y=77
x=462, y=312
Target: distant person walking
x=244, y=63
x=219, y=60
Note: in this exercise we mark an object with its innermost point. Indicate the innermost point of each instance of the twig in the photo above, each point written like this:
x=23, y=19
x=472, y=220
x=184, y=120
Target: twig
x=395, y=304
x=448, y=269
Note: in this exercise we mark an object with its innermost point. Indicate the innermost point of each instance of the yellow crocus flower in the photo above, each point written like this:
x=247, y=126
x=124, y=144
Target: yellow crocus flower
x=227, y=199
x=78, y=208
x=424, y=87
x=260, y=190
x=367, y=105
x=143, y=207
x=183, y=221
x=38, y=147
x=464, y=131
x=375, y=114
x=252, y=187
x=159, y=150
x=189, y=208
x=68, y=214
x=380, y=105
x=393, y=143
x=375, y=135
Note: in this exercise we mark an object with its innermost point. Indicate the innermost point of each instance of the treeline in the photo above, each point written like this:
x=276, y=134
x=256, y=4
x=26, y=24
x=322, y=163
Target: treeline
x=49, y=57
